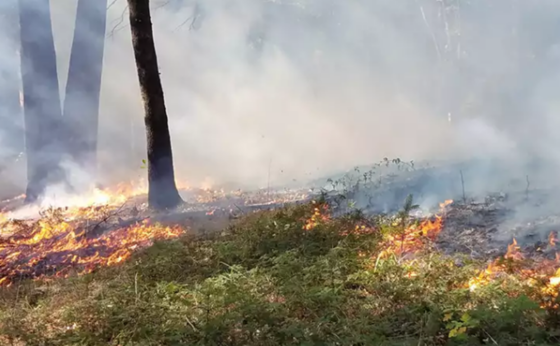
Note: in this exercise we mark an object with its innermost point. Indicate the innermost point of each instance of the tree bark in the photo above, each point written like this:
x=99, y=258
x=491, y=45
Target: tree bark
x=162, y=192
x=81, y=103
x=42, y=111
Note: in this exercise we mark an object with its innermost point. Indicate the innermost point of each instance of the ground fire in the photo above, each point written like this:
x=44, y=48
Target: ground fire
x=75, y=241
x=66, y=240
x=102, y=229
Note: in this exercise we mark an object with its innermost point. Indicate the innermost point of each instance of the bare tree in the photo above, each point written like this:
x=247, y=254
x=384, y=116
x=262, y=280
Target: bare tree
x=163, y=192
x=42, y=111
x=81, y=103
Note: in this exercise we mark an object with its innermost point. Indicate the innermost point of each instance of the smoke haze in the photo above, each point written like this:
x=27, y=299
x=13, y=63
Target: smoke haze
x=284, y=90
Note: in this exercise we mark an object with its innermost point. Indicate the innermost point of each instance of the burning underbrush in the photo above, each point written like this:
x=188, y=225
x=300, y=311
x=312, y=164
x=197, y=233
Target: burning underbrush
x=288, y=276
x=56, y=247
x=115, y=222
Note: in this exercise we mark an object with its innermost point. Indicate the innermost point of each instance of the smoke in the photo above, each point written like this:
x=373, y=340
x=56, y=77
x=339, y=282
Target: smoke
x=267, y=92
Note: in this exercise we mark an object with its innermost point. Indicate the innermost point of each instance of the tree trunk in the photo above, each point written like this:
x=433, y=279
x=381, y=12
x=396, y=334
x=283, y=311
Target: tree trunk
x=163, y=192
x=11, y=116
x=81, y=103
x=42, y=111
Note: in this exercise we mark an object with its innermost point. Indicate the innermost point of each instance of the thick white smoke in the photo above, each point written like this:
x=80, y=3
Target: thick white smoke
x=280, y=90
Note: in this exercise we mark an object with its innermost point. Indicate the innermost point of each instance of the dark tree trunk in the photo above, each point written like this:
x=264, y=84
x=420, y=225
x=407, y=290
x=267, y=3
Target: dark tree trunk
x=11, y=116
x=163, y=192
x=81, y=103
x=42, y=111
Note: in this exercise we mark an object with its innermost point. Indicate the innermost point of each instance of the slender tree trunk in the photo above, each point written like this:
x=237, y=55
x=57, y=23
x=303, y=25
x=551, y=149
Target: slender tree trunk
x=163, y=192
x=11, y=116
x=42, y=111
x=81, y=103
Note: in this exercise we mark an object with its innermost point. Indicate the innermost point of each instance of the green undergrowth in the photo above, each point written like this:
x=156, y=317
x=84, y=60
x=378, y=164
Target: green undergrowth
x=269, y=281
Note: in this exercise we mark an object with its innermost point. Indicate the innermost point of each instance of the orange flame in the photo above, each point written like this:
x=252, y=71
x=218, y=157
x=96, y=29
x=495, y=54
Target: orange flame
x=57, y=248
x=61, y=241
x=513, y=252
x=555, y=279
x=413, y=238
x=552, y=239
x=320, y=214
x=531, y=273
x=445, y=204
x=496, y=267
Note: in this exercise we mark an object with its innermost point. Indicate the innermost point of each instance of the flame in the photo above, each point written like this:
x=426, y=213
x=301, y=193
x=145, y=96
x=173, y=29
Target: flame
x=555, y=279
x=53, y=247
x=552, y=238
x=59, y=243
x=513, y=252
x=320, y=214
x=543, y=274
x=66, y=240
x=484, y=277
x=497, y=267
x=445, y=204
x=360, y=228
x=413, y=238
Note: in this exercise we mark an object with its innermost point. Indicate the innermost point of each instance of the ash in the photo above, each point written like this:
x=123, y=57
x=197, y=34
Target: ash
x=484, y=229
x=493, y=202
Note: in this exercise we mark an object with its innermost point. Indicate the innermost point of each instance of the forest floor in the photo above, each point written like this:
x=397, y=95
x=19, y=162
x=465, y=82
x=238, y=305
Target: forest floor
x=235, y=270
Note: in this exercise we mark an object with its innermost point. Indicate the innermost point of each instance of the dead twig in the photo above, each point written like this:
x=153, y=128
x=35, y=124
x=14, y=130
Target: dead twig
x=107, y=217
x=490, y=337
x=432, y=34
x=119, y=23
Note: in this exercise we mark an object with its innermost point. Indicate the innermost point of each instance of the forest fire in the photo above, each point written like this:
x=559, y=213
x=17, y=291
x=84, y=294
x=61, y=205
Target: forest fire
x=68, y=240
x=542, y=274
x=320, y=214
x=65, y=241
x=515, y=262
x=91, y=231
x=414, y=237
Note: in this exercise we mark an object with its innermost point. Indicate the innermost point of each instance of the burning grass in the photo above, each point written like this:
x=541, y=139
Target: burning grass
x=291, y=276
x=79, y=239
x=56, y=246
